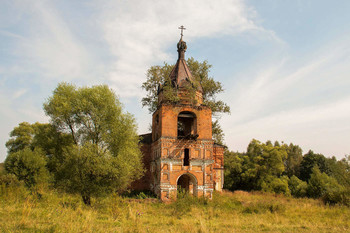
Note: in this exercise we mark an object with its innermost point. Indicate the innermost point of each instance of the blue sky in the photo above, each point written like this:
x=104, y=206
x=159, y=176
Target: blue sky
x=285, y=65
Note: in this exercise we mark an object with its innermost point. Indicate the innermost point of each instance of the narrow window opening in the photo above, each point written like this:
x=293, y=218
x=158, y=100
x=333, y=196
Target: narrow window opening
x=187, y=157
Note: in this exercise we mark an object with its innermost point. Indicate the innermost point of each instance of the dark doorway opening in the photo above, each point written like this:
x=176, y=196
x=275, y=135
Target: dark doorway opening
x=183, y=184
x=187, y=183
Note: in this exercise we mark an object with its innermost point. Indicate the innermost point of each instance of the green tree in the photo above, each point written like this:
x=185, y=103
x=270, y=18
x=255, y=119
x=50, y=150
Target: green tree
x=262, y=164
x=276, y=185
x=21, y=137
x=233, y=170
x=39, y=136
x=321, y=185
x=217, y=132
x=52, y=142
x=293, y=160
x=340, y=170
x=158, y=76
x=101, y=132
x=211, y=88
x=297, y=187
x=28, y=166
x=91, y=171
x=309, y=161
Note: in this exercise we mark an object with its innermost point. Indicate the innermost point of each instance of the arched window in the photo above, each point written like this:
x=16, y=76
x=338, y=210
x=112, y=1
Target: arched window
x=186, y=125
x=187, y=157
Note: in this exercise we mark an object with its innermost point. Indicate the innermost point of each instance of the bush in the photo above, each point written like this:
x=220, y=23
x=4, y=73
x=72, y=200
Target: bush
x=322, y=186
x=276, y=185
x=335, y=193
x=297, y=187
x=11, y=189
x=9, y=180
x=28, y=166
x=317, y=183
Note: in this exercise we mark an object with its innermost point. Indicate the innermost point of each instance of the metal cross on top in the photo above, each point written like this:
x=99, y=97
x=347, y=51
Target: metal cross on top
x=182, y=28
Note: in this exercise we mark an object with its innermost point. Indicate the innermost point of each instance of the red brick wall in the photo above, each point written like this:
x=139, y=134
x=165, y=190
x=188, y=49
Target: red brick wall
x=145, y=182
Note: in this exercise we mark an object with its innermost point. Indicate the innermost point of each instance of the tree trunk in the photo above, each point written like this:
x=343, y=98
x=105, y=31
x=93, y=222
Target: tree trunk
x=86, y=200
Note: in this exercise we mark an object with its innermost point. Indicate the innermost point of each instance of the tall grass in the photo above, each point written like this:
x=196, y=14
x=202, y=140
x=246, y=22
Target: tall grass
x=21, y=211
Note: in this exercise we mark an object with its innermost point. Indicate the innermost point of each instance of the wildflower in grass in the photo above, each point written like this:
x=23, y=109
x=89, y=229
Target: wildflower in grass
x=138, y=213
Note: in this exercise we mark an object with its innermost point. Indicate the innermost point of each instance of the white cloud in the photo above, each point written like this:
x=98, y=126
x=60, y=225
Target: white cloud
x=45, y=45
x=139, y=32
x=10, y=34
x=55, y=49
x=19, y=93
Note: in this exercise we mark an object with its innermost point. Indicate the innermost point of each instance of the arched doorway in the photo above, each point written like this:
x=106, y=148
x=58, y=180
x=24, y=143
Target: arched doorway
x=187, y=183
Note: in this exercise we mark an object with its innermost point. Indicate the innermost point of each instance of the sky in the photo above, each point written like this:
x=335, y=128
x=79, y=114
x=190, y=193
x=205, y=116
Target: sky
x=284, y=65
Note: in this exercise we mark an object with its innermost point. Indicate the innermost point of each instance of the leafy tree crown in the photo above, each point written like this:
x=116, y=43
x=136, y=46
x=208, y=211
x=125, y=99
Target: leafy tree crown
x=159, y=77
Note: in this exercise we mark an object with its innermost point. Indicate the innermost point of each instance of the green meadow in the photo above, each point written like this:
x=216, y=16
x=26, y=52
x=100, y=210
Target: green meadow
x=52, y=211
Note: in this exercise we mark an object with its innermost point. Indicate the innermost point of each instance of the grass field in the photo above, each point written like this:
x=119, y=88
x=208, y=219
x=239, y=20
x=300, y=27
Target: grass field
x=228, y=212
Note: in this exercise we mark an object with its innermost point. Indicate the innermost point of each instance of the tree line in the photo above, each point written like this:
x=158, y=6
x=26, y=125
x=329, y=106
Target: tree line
x=281, y=168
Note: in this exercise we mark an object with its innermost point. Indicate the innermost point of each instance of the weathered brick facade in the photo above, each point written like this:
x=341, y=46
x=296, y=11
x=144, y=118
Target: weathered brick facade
x=180, y=151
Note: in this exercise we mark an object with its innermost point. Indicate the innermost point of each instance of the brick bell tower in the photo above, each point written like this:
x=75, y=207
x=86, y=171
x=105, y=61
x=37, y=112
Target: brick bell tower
x=180, y=152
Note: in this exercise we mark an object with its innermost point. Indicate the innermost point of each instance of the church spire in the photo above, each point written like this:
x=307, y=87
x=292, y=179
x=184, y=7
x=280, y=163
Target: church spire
x=181, y=74
x=181, y=79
